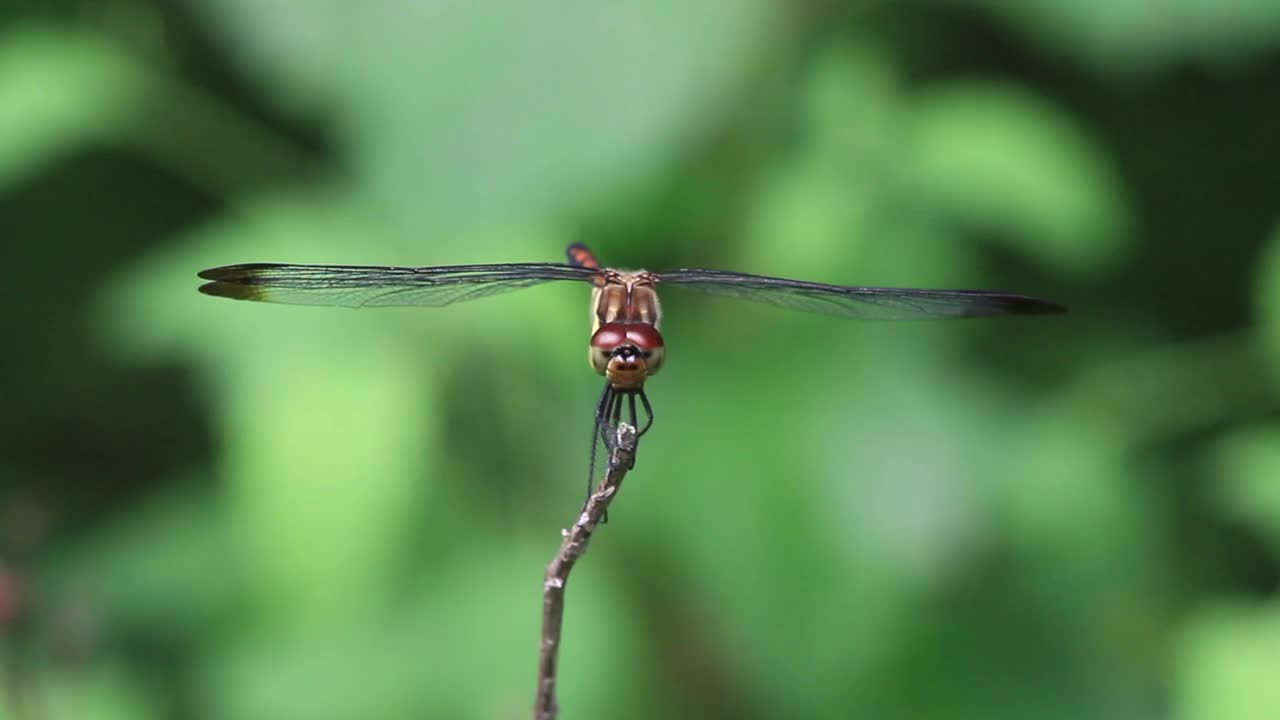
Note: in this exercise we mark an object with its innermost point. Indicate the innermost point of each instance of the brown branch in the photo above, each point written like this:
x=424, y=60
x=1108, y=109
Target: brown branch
x=622, y=457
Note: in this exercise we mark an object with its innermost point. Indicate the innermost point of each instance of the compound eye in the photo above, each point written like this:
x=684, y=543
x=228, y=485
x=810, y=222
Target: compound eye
x=646, y=338
x=609, y=336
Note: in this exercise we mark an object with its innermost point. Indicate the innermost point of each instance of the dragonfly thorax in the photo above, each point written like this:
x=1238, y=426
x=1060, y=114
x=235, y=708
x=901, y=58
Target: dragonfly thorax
x=627, y=353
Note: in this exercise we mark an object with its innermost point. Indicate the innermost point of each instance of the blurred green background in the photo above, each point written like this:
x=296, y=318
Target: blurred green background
x=219, y=510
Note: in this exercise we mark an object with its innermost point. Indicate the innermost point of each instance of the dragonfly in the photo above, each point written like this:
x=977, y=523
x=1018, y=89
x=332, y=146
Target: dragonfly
x=626, y=344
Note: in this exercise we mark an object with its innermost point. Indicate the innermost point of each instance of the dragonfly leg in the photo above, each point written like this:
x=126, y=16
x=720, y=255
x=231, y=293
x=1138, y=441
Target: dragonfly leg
x=605, y=421
x=603, y=408
x=615, y=412
x=648, y=411
x=613, y=416
x=631, y=409
x=599, y=432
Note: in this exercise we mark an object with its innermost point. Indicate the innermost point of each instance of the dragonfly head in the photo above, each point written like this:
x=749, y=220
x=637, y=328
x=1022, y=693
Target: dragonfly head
x=627, y=353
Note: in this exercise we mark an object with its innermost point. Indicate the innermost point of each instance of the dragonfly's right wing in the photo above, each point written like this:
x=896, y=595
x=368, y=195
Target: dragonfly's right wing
x=371, y=286
x=863, y=303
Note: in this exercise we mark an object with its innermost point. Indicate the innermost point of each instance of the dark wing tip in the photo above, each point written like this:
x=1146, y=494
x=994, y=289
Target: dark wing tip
x=231, y=290
x=1027, y=305
x=238, y=282
x=243, y=273
x=228, y=273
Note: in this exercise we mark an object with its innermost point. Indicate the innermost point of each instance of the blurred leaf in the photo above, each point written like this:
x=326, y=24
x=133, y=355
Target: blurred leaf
x=1216, y=378
x=1061, y=469
x=60, y=90
x=1000, y=159
x=325, y=458
x=475, y=111
x=1144, y=34
x=464, y=647
x=1079, y=523
x=168, y=566
x=107, y=690
x=883, y=174
x=824, y=201
x=1267, y=299
x=1247, y=462
x=1227, y=662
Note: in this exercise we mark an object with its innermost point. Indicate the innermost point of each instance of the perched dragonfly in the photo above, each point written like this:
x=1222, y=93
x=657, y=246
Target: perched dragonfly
x=626, y=346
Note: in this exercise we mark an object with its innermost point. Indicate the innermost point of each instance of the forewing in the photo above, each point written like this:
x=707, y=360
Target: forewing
x=864, y=303
x=373, y=286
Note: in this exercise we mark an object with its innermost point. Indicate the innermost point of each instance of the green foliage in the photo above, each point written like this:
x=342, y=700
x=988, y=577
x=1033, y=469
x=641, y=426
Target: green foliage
x=60, y=90
x=224, y=510
x=1041, y=180
x=1140, y=35
x=472, y=112
x=1227, y=664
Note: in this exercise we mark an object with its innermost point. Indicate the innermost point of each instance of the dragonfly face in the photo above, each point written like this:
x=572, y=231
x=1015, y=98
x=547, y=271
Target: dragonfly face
x=627, y=354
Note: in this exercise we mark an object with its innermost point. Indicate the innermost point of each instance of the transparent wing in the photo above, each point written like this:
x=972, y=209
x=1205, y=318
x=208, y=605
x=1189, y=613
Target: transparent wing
x=865, y=303
x=371, y=286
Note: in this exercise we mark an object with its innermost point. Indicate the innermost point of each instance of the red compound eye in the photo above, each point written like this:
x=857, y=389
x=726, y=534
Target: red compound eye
x=645, y=337
x=609, y=337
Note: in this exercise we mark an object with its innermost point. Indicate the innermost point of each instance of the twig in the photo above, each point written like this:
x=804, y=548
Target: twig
x=622, y=457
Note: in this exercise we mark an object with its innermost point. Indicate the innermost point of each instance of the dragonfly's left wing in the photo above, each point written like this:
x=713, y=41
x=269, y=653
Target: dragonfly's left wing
x=865, y=303
x=370, y=286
